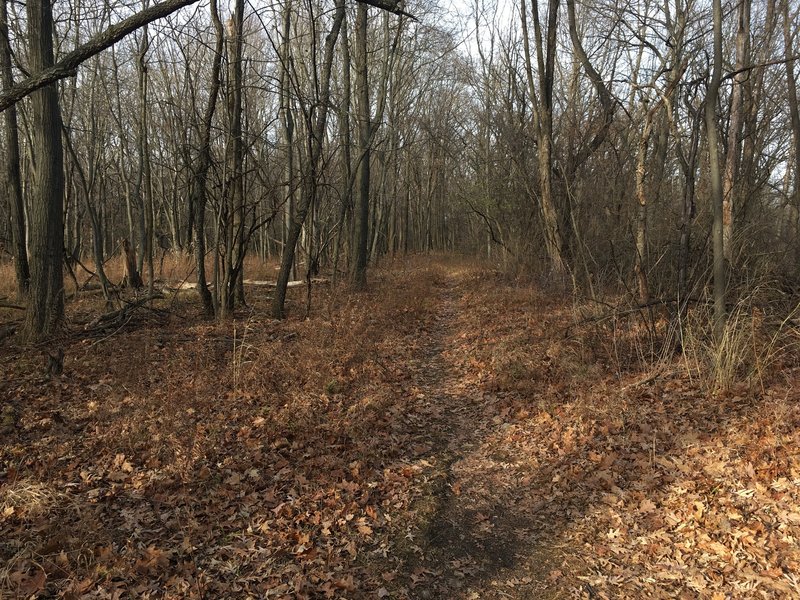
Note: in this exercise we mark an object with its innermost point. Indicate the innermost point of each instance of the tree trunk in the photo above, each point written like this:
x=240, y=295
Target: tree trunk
x=789, y=34
x=46, y=299
x=362, y=214
x=204, y=164
x=640, y=263
x=131, y=276
x=317, y=138
x=729, y=181
x=344, y=134
x=143, y=178
x=146, y=164
x=543, y=123
x=233, y=225
x=13, y=178
x=287, y=123
x=716, y=176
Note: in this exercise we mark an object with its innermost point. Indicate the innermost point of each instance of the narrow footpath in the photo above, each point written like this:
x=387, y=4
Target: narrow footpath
x=475, y=532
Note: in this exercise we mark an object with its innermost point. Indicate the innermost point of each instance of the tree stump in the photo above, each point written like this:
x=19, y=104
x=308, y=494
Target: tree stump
x=131, y=278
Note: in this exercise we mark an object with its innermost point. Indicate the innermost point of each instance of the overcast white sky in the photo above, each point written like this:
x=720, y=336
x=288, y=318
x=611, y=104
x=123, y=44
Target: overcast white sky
x=499, y=12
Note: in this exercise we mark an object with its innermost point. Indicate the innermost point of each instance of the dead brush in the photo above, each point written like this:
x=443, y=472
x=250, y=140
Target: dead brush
x=751, y=349
x=28, y=499
x=68, y=539
x=609, y=335
x=8, y=281
x=242, y=350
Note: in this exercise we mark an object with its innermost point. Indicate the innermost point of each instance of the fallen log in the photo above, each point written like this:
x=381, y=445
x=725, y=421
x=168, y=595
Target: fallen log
x=254, y=282
x=291, y=284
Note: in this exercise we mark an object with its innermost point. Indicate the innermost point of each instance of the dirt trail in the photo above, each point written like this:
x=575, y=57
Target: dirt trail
x=474, y=536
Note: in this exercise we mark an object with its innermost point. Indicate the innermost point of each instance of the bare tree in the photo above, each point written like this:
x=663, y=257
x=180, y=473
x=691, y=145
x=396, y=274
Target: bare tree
x=542, y=97
x=729, y=184
x=12, y=169
x=203, y=161
x=789, y=36
x=69, y=63
x=714, y=164
x=46, y=301
x=316, y=138
x=364, y=131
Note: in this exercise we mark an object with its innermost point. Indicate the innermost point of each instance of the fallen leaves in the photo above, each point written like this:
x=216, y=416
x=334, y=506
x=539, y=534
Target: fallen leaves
x=433, y=435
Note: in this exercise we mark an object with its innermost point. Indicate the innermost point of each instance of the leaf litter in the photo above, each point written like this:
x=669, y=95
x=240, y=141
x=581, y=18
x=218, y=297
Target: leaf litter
x=436, y=437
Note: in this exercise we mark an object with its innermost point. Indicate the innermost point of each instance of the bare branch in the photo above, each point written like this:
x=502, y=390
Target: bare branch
x=393, y=6
x=68, y=66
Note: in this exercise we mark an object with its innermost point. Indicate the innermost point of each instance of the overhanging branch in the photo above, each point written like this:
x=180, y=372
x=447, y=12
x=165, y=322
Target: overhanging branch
x=68, y=65
x=393, y=6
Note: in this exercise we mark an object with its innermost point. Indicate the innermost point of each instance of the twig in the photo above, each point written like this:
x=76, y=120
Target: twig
x=107, y=318
x=9, y=305
x=618, y=312
x=113, y=333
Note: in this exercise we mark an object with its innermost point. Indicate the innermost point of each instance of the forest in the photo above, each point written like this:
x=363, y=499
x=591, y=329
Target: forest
x=399, y=299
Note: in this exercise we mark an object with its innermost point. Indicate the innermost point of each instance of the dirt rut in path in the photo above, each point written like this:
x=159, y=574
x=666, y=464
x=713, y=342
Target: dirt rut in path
x=472, y=533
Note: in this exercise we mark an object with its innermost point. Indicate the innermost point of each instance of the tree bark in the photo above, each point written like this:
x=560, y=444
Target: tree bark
x=393, y=6
x=233, y=224
x=204, y=164
x=362, y=214
x=607, y=103
x=712, y=97
x=794, y=113
x=543, y=123
x=287, y=122
x=640, y=262
x=729, y=183
x=46, y=300
x=13, y=178
x=344, y=134
x=144, y=182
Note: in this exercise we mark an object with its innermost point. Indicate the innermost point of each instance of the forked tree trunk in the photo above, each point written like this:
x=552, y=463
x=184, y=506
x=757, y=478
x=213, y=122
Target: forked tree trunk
x=542, y=99
x=204, y=164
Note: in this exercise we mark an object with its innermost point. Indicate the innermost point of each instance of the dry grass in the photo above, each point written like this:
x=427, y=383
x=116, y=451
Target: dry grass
x=757, y=343
x=8, y=287
x=28, y=499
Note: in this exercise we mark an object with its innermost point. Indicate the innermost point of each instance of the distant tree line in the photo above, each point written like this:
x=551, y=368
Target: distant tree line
x=652, y=147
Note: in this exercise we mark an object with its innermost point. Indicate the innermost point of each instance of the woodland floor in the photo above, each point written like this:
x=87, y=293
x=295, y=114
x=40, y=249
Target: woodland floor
x=445, y=435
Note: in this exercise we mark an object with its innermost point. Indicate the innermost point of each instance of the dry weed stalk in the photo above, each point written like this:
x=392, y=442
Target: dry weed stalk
x=747, y=349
